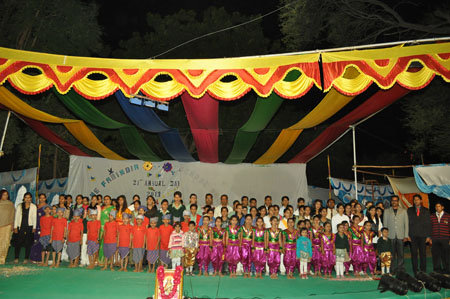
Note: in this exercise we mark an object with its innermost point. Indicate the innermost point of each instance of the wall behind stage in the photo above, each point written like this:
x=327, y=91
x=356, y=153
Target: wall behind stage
x=90, y=176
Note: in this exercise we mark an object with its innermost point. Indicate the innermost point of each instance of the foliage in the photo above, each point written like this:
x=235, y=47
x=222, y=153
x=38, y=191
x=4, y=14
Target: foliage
x=64, y=26
x=67, y=27
x=165, y=32
x=356, y=22
x=426, y=119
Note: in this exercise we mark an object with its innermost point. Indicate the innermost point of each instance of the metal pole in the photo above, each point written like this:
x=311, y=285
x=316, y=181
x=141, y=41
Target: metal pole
x=354, y=162
x=4, y=131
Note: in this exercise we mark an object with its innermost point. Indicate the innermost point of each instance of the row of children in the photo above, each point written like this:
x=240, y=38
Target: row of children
x=253, y=246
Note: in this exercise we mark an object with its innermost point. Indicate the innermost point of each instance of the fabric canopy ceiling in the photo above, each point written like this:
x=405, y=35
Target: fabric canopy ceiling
x=201, y=85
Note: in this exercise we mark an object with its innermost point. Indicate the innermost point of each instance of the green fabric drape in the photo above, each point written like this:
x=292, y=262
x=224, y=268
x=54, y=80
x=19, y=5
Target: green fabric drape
x=134, y=142
x=265, y=109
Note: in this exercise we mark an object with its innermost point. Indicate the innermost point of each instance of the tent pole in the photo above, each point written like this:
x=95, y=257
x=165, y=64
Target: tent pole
x=4, y=131
x=354, y=162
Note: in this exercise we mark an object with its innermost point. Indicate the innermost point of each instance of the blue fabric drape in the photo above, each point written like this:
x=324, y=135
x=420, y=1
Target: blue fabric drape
x=442, y=190
x=146, y=119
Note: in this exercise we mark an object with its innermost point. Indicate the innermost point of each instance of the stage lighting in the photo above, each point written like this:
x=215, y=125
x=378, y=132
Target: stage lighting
x=431, y=283
x=163, y=107
x=389, y=283
x=413, y=284
x=135, y=101
x=150, y=104
x=138, y=99
x=444, y=280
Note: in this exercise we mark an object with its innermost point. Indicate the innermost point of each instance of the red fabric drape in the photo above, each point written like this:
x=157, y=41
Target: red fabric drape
x=51, y=136
x=203, y=118
x=378, y=101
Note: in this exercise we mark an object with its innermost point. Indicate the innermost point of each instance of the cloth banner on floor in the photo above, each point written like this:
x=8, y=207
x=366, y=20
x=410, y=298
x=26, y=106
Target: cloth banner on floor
x=433, y=178
x=52, y=189
x=18, y=182
x=89, y=176
x=345, y=190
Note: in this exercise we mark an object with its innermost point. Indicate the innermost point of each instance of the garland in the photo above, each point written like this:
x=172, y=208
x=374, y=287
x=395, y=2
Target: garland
x=176, y=281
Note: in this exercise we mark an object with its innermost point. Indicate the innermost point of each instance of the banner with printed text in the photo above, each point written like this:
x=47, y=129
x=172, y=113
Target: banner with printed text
x=90, y=176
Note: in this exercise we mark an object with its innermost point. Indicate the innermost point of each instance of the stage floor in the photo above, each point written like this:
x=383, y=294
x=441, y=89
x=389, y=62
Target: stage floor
x=40, y=282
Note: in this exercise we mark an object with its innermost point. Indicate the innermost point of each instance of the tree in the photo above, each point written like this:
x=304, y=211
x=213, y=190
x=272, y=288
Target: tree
x=426, y=118
x=165, y=32
x=66, y=27
x=355, y=22
x=337, y=23
x=170, y=31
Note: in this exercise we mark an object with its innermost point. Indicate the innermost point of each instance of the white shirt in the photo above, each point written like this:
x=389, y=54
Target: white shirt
x=331, y=212
x=281, y=212
x=337, y=219
x=267, y=221
x=32, y=216
x=439, y=216
x=283, y=224
x=218, y=210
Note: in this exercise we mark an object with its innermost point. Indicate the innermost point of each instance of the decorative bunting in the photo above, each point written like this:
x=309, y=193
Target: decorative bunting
x=76, y=127
x=386, y=67
x=378, y=101
x=130, y=135
x=197, y=76
x=330, y=104
x=203, y=118
x=147, y=119
x=265, y=109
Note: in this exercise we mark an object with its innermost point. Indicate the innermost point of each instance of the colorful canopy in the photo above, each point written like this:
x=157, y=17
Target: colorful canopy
x=200, y=83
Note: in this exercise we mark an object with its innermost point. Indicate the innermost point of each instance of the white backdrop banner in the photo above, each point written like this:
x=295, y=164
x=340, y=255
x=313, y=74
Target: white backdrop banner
x=90, y=176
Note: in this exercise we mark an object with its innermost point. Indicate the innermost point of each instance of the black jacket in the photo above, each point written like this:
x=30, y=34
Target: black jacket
x=419, y=226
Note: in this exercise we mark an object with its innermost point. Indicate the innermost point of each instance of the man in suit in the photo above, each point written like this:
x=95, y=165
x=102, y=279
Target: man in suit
x=396, y=220
x=419, y=232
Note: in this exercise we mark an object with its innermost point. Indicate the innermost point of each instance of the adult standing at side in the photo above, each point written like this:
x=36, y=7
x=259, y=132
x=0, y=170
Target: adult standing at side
x=24, y=227
x=7, y=212
x=419, y=233
x=440, y=237
x=396, y=220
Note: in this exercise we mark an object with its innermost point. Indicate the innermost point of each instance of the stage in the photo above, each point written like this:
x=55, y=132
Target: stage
x=40, y=282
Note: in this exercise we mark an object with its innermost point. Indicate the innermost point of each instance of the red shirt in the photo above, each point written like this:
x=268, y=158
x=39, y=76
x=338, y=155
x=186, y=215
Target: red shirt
x=138, y=236
x=153, y=234
x=75, y=231
x=58, y=227
x=145, y=222
x=110, y=229
x=184, y=226
x=165, y=236
x=46, y=225
x=125, y=235
x=93, y=227
x=197, y=219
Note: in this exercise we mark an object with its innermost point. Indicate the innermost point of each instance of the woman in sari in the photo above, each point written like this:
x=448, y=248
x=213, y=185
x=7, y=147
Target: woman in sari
x=36, y=249
x=104, y=217
x=7, y=212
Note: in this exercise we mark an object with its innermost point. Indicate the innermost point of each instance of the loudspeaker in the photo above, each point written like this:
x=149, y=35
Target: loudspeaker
x=413, y=284
x=431, y=283
x=389, y=283
x=444, y=280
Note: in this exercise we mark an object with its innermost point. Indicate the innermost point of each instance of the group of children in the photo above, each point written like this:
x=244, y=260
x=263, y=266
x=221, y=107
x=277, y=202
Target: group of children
x=310, y=246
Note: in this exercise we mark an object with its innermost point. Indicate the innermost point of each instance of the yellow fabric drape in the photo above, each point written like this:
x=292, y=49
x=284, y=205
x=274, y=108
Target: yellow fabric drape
x=388, y=66
x=196, y=76
x=330, y=104
x=76, y=127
